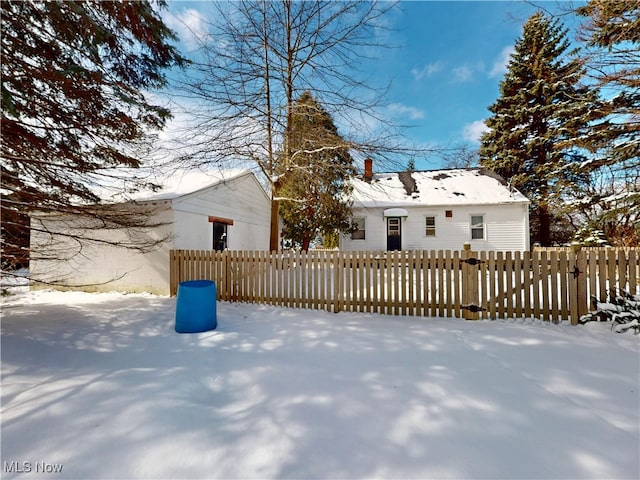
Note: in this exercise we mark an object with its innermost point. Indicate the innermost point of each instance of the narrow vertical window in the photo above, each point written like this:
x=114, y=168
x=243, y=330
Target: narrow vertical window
x=219, y=236
x=430, y=227
x=477, y=227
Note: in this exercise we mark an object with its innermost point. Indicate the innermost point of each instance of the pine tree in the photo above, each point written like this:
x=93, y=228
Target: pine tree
x=74, y=78
x=314, y=195
x=538, y=123
x=611, y=31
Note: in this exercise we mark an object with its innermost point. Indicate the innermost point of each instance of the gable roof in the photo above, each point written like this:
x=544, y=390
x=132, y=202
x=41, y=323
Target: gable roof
x=185, y=183
x=461, y=186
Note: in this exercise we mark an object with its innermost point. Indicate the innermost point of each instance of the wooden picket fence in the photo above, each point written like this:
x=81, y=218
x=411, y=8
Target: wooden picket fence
x=553, y=285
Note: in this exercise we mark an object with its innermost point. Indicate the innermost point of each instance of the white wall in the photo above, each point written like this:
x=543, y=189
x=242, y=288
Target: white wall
x=240, y=199
x=64, y=262
x=506, y=228
x=94, y=266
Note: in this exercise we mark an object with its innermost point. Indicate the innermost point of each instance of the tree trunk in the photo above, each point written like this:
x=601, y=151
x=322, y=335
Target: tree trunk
x=274, y=237
x=306, y=241
x=545, y=225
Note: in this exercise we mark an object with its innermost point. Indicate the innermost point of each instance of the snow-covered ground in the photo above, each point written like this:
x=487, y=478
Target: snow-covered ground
x=100, y=386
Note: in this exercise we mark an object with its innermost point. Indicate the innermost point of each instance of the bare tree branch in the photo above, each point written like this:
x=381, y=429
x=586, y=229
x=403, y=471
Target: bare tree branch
x=259, y=57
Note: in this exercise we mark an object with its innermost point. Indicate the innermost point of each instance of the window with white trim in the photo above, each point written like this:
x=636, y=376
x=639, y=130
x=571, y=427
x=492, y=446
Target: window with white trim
x=430, y=226
x=359, y=233
x=477, y=227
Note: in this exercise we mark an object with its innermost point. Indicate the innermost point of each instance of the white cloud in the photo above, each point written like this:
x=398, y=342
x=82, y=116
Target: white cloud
x=462, y=74
x=400, y=110
x=189, y=24
x=500, y=64
x=473, y=131
x=467, y=72
x=427, y=71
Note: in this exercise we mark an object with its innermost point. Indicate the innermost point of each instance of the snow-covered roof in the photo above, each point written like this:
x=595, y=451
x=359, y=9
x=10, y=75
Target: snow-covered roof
x=464, y=186
x=187, y=182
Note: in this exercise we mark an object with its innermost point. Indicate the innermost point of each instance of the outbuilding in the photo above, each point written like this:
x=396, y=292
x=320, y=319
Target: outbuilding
x=228, y=210
x=437, y=210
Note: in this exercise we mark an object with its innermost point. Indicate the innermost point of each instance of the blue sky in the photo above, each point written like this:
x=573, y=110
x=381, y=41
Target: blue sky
x=445, y=69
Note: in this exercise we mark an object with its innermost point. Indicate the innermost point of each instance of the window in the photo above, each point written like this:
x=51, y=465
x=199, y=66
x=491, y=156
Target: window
x=220, y=230
x=219, y=236
x=430, y=227
x=393, y=227
x=359, y=233
x=477, y=227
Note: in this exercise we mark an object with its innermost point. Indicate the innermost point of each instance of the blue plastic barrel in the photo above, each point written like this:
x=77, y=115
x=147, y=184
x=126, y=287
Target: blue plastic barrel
x=196, y=306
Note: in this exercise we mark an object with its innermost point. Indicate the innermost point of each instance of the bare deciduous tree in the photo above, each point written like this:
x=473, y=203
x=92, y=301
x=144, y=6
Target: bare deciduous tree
x=259, y=57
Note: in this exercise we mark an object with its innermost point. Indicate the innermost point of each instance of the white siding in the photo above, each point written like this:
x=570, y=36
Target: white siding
x=506, y=228
x=240, y=199
x=375, y=231
x=93, y=266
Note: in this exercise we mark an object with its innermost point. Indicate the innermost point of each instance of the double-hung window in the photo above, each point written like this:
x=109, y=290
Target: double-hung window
x=430, y=226
x=477, y=227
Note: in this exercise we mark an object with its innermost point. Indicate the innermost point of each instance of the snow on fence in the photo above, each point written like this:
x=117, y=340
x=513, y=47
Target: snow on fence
x=552, y=285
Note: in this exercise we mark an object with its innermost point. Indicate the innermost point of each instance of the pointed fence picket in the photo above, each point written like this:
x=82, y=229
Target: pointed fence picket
x=553, y=285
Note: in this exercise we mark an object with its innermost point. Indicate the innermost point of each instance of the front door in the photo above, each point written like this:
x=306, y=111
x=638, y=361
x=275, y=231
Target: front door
x=394, y=233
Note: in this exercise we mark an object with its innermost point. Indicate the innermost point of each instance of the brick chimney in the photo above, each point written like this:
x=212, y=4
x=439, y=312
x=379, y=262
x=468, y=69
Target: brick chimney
x=368, y=170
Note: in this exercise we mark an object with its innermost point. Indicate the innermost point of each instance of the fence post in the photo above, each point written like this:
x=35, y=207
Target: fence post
x=172, y=273
x=578, y=304
x=226, y=274
x=177, y=259
x=470, y=294
x=583, y=301
x=337, y=282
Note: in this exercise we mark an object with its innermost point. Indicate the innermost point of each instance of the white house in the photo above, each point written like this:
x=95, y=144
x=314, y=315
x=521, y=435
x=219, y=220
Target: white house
x=438, y=209
x=229, y=210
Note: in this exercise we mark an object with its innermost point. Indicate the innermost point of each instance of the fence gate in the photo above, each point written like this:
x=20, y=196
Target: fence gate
x=552, y=285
